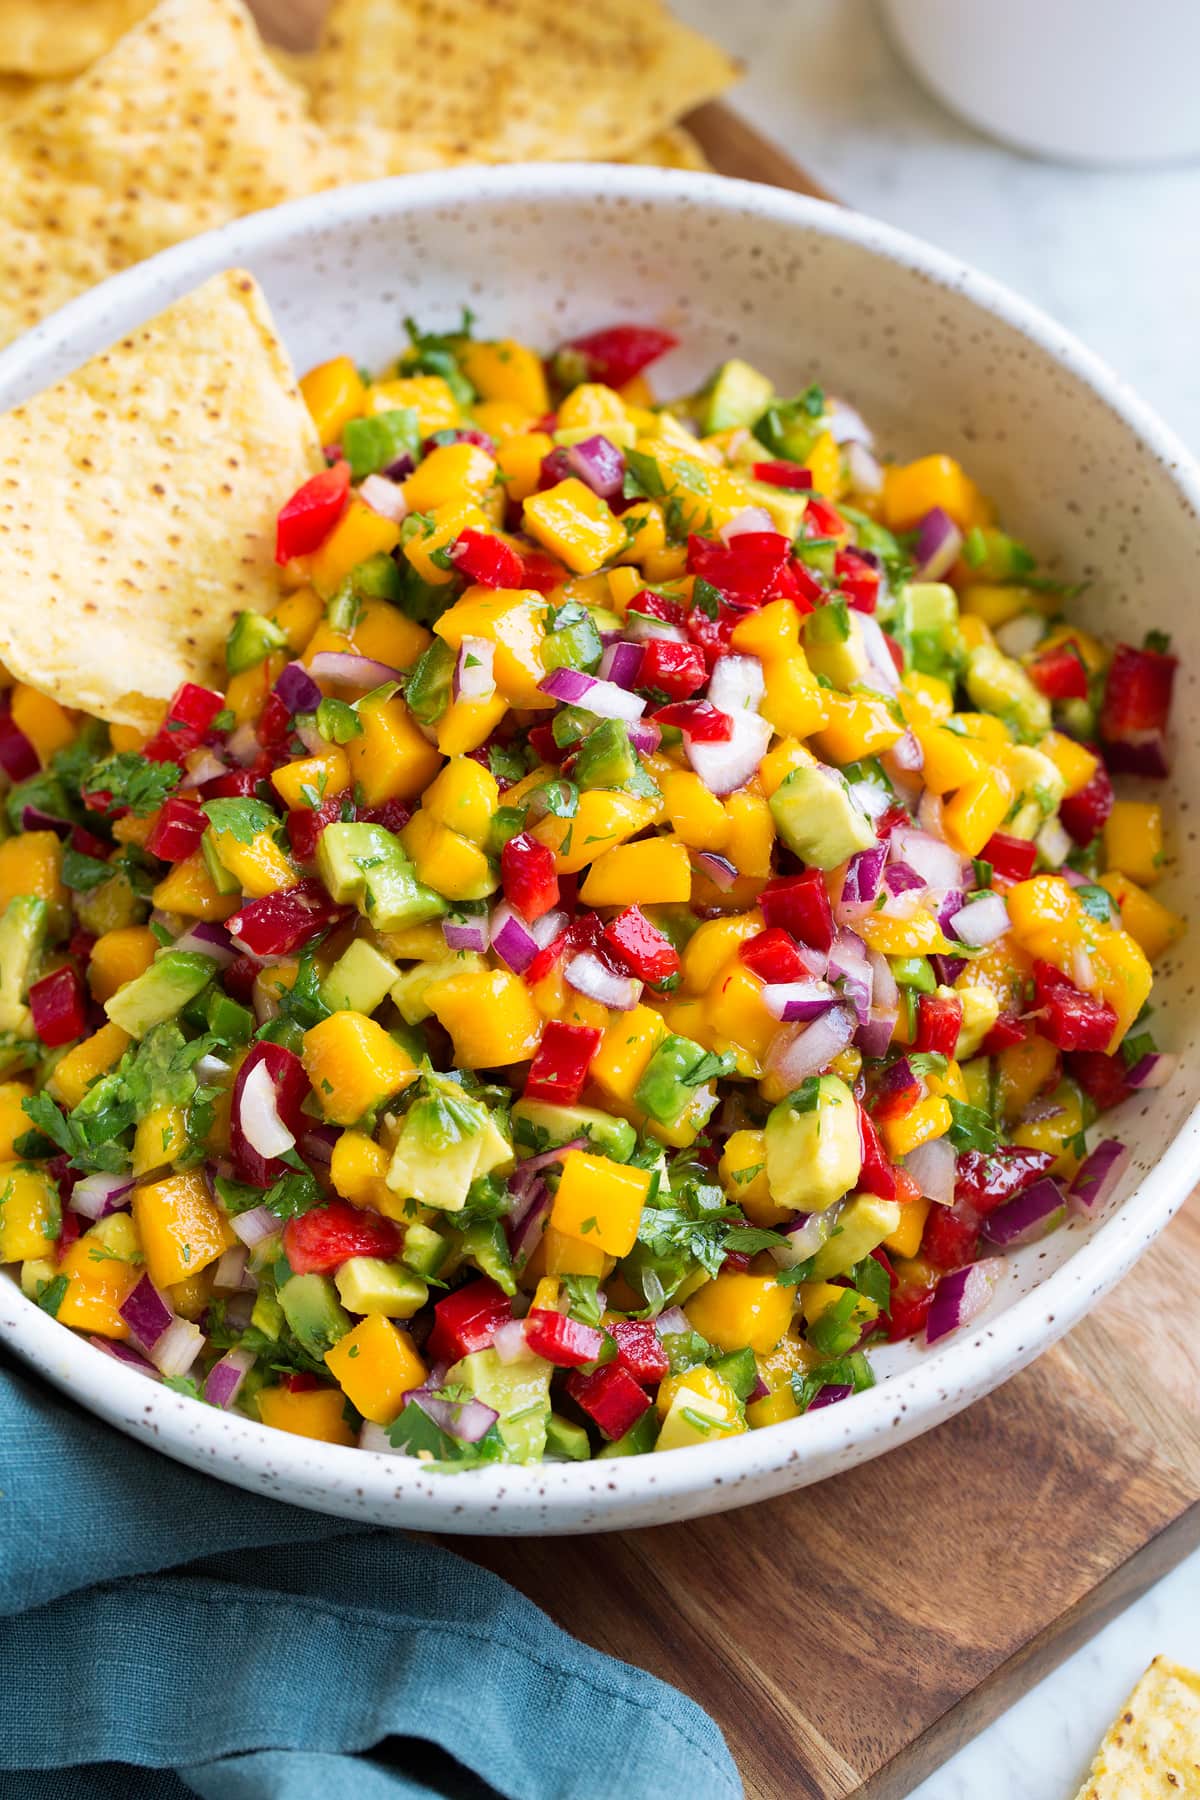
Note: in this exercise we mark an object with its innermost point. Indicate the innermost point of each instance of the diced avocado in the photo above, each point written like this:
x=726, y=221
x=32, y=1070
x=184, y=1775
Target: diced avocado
x=575, y=646
x=914, y=972
x=862, y=1225
x=786, y=506
x=446, y=1141
x=520, y=1393
x=925, y=622
x=379, y=440
x=112, y=906
x=409, y=988
x=998, y=684
x=359, y=979
x=431, y=683
x=222, y=879
x=736, y=395
x=425, y=1250
x=314, y=1313
x=637, y=1440
x=818, y=818
x=540, y=1125
x=486, y=1245
x=675, y=1078
x=36, y=1274
x=565, y=1441
x=251, y=640
x=22, y=935
x=606, y=757
x=367, y=1284
x=980, y=1010
x=267, y=1316
x=836, y=647
x=740, y=1370
x=814, y=1153
x=161, y=991
x=368, y=865
x=1040, y=790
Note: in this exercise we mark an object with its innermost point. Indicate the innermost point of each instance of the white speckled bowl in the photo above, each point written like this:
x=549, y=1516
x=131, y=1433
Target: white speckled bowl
x=939, y=358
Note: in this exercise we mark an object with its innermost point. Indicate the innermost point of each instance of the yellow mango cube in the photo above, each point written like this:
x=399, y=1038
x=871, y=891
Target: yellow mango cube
x=490, y=1017
x=353, y=1064
x=978, y=809
x=511, y=619
x=506, y=370
x=520, y=458
x=1022, y=1071
x=743, y=1173
x=600, y=1201
x=450, y=473
x=574, y=524
x=359, y=533
x=358, y=1169
x=927, y=1120
x=1074, y=762
x=120, y=956
x=48, y=726
x=447, y=861
x=1151, y=925
x=951, y=760
x=391, y=759
x=297, y=615
x=31, y=863
x=711, y=946
x=466, y=724
x=737, y=1011
x=30, y=1214
x=464, y=797
x=1133, y=840
x=796, y=704
x=334, y=393
x=698, y=1408
x=857, y=726
x=653, y=871
x=693, y=811
x=99, y=1281
x=383, y=632
x=317, y=1413
x=905, y=1240
x=14, y=1120
x=181, y=1228
x=430, y=396
x=188, y=888
x=918, y=936
x=913, y=489
x=260, y=866
x=751, y=836
x=85, y=1062
x=427, y=549
x=376, y=1364
x=736, y=1309
x=778, y=764
x=567, y=1255
x=625, y=1049
x=603, y=819
x=308, y=780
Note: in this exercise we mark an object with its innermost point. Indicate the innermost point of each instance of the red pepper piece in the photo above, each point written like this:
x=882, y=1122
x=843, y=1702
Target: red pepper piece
x=393, y=815
x=799, y=904
x=561, y=1061
x=640, y=1350
x=541, y=572
x=984, y=1179
x=898, y=1092
x=658, y=606
x=541, y=739
x=782, y=474
x=1007, y=1031
x=322, y=1240
x=1137, y=697
x=1085, y=813
x=894, y=651
x=746, y=570
x=610, y=1397
x=676, y=670
x=18, y=758
x=699, y=718
x=239, y=978
x=177, y=830
x=712, y=636
x=236, y=784
x=555, y=467
x=907, y=1312
x=300, y=1383
x=486, y=559
x=546, y=958
x=877, y=1176
x=615, y=354
x=773, y=957
x=274, y=724
x=736, y=1263
x=939, y=1021
x=58, y=1003
x=528, y=877
x=81, y=943
x=1011, y=857
x=802, y=585
x=307, y=519
x=1060, y=673
x=641, y=946
x=306, y=823
x=823, y=521
x=887, y=822
x=858, y=577
x=88, y=844
x=69, y=1229
x=1071, y=1020
x=565, y=1342
x=278, y=923
x=291, y=1090
x=188, y=721
x=948, y=1241
x=1101, y=1077
x=466, y=1320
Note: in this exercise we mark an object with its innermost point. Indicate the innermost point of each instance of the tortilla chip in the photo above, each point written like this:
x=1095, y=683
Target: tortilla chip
x=138, y=501
x=674, y=148
x=60, y=37
x=183, y=125
x=1152, y=1751
x=514, y=80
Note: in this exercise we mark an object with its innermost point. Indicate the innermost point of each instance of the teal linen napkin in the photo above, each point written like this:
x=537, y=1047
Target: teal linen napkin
x=163, y=1636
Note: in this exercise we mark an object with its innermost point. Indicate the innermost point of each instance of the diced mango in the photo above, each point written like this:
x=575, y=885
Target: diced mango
x=857, y=726
x=30, y=1216
x=376, y=1364
x=160, y=1136
x=913, y=489
x=309, y=779
x=391, y=759
x=31, y=863
x=735, y=1309
x=693, y=811
x=712, y=944
x=353, y=1064
x=519, y=459
x=119, y=956
x=48, y=726
x=358, y=1169
x=317, y=1413
x=463, y=796
x=1022, y=1071
x=697, y=1407
x=918, y=936
x=778, y=764
x=1133, y=840
x=181, y=1227
x=513, y=620
x=978, y=809
x=447, y=861
x=1059, y=1133
x=600, y=1201
x=260, y=866
x=359, y=533
x=101, y=1276
x=85, y=1062
x=574, y=524
x=383, y=632
x=653, y=871
x=334, y=393
x=1149, y=923
x=14, y=1120
x=246, y=692
x=602, y=820
x=950, y=758
x=625, y=1049
x=737, y=1011
x=796, y=705
x=506, y=370
x=430, y=396
x=188, y=888
x=447, y=474
x=567, y=1255
x=297, y=615
x=905, y=1240
x=466, y=724
x=927, y=1120
x=490, y=1017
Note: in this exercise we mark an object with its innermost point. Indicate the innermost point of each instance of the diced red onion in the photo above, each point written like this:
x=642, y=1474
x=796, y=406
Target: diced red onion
x=724, y=767
x=259, y=1116
x=749, y=519
x=123, y=1354
x=885, y=992
x=884, y=673
x=830, y=1394
x=226, y=1377
x=599, y=464
x=645, y=736
x=468, y=1420
x=256, y=1225
x=1097, y=1176
x=385, y=498
x=958, y=1298
x=548, y=927
x=981, y=921
x=200, y=766
x=934, y=861
x=875, y=1035
x=526, y=1236
x=604, y=698
x=864, y=468
x=375, y=1438
x=907, y=753
x=720, y=871
x=672, y=1322
x=898, y=878
x=938, y=543
x=737, y=684
x=242, y=744
x=317, y=1144
x=36, y=818
x=804, y=1236
x=643, y=628
x=798, y=1051
x=1017, y=637
x=297, y=689
x=310, y=737
x=847, y=425
x=946, y=969
x=929, y=814
x=177, y=1348
x=1083, y=973
x=848, y=963
x=469, y=932
x=509, y=1342
x=931, y=1166
x=861, y=883
x=98, y=1195
x=588, y=975
x=208, y=939
x=1028, y=1215
x=792, y=1000
x=345, y=669
x=620, y=663
x=948, y=905
x=147, y=1314
x=474, y=669
x=1054, y=843
x=512, y=940
x=229, y=1271
x=1153, y=1070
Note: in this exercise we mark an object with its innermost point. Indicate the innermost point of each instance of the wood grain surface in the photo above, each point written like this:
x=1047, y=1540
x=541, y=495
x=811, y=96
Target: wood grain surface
x=850, y=1637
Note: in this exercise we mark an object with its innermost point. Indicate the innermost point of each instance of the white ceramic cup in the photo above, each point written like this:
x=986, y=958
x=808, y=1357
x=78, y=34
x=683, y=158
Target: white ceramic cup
x=1086, y=81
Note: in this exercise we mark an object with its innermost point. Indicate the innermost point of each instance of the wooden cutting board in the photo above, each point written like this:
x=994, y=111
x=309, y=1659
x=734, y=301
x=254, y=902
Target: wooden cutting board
x=850, y=1637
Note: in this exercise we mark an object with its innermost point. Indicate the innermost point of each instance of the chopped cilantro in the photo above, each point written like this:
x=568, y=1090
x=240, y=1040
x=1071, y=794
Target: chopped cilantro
x=132, y=783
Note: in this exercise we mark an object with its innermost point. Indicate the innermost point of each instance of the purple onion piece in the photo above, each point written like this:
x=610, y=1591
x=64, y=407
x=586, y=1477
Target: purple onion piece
x=604, y=698
x=939, y=541
x=342, y=667
x=147, y=1314
x=830, y=1394
x=467, y=933
x=123, y=1354
x=958, y=1298
x=863, y=873
x=1144, y=753
x=720, y=871
x=35, y=818
x=297, y=689
x=1027, y=1216
x=1097, y=1176
x=599, y=464
x=468, y=1420
x=512, y=940
x=1153, y=1070
x=589, y=976
x=226, y=1377
x=620, y=663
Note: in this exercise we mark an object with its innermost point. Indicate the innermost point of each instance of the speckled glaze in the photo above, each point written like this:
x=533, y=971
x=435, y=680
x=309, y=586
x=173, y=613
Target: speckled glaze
x=938, y=357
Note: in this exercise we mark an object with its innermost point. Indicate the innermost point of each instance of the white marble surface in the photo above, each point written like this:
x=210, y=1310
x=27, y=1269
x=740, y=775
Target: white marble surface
x=1116, y=257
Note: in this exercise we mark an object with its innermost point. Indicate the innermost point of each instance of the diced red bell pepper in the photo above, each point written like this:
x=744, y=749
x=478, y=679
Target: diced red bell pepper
x=466, y=1320
x=555, y=467
x=1071, y=1020
x=949, y=1240
x=746, y=570
x=700, y=719
x=541, y=741
x=1137, y=697
x=88, y=844
x=939, y=1021
x=610, y=1397
x=712, y=636
x=887, y=822
x=567, y=1343
x=393, y=815
x=547, y=957
x=640, y=1350
x=821, y=520
x=984, y=1179
x=177, y=830
x=486, y=559
x=278, y=923
x=658, y=606
x=291, y=1089
x=641, y=947
x=1060, y=673
x=306, y=823
x=274, y=724
x=18, y=758
x=907, y=1312
x=801, y=585
x=1011, y=857
x=894, y=651
x=320, y=1241
x=799, y=904
x=876, y=1176
x=782, y=474
x=736, y=1262
x=1085, y=813
x=773, y=957
x=616, y=353
x=528, y=877
x=676, y=670
x=541, y=572
x=187, y=723
x=307, y=519
x=1007, y=1031
x=1101, y=1077
x=858, y=577
x=300, y=1383
x=58, y=1003
x=81, y=943
x=898, y=1092
x=561, y=1061
x=237, y=784
x=239, y=978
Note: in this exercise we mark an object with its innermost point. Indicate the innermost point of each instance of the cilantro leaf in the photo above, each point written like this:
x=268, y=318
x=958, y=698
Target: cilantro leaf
x=132, y=782
x=971, y=1129
x=244, y=820
x=583, y=1302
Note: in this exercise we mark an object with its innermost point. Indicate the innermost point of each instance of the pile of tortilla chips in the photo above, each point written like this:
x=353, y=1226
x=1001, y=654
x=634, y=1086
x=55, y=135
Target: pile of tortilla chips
x=1152, y=1752
x=126, y=128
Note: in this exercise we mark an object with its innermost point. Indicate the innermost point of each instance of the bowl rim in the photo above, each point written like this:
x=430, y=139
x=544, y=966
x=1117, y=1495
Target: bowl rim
x=949, y=1377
